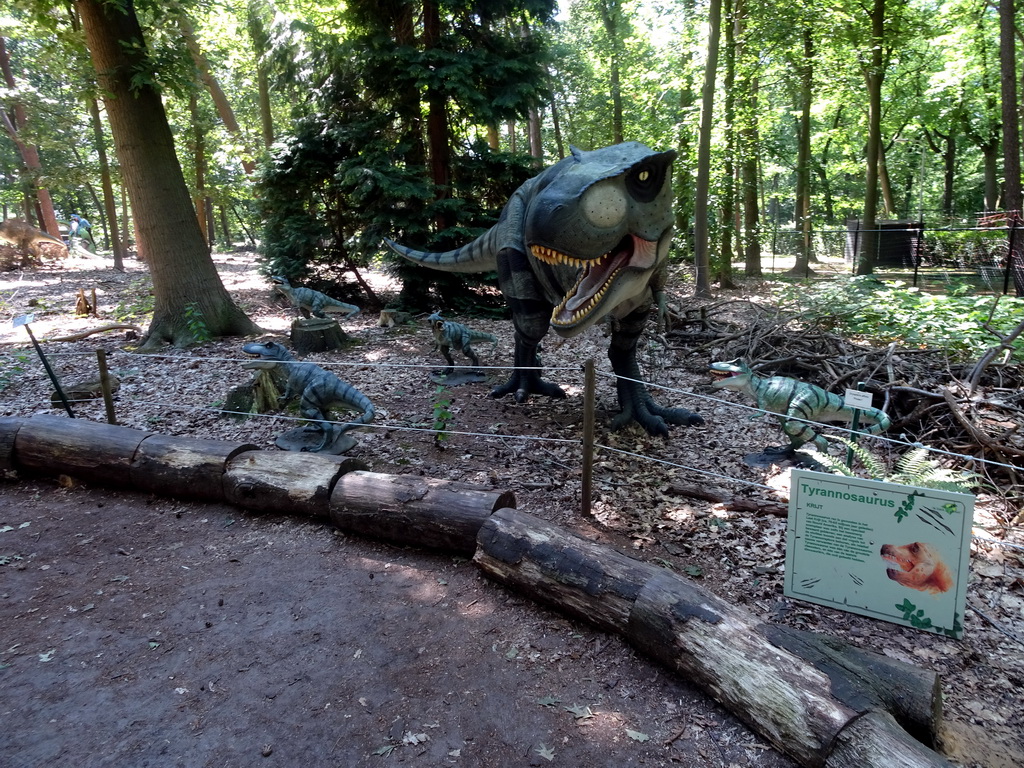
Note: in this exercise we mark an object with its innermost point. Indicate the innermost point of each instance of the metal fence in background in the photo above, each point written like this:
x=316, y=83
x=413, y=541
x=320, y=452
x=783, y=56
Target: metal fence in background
x=978, y=251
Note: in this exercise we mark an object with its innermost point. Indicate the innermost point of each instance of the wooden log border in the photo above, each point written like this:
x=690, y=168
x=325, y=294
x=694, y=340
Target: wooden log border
x=815, y=698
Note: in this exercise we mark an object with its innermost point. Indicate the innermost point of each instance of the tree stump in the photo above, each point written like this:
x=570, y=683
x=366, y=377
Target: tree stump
x=316, y=334
x=415, y=511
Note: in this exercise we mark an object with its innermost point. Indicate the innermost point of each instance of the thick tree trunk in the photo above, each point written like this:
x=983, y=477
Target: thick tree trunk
x=181, y=268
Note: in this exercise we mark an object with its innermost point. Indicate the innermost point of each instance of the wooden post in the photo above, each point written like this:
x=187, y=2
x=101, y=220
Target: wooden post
x=108, y=398
x=589, y=397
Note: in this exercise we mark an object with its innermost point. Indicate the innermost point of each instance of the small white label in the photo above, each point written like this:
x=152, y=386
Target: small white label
x=24, y=320
x=857, y=399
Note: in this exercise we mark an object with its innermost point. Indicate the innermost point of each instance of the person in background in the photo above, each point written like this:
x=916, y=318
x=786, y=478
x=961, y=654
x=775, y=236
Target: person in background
x=80, y=227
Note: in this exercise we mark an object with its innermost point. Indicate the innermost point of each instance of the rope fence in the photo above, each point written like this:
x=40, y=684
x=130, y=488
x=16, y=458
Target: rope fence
x=587, y=442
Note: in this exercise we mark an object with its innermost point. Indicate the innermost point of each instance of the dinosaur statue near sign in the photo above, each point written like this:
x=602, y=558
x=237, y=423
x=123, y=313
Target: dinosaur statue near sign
x=583, y=242
x=795, y=403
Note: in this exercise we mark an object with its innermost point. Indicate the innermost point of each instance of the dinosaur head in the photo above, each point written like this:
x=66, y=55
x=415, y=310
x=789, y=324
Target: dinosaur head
x=269, y=352
x=280, y=280
x=607, y=213
x=732, y=374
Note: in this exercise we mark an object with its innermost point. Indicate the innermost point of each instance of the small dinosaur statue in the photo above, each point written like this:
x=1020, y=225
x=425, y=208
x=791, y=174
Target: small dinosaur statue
x=307, y=301
x=25, y=237
x=448, y=334
x=795, y=402
x=319, y=391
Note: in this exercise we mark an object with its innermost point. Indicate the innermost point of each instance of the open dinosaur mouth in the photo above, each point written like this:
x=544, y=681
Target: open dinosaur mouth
x=598, y=275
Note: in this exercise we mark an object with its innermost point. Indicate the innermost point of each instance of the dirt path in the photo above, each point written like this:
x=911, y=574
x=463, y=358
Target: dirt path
x=147, y=632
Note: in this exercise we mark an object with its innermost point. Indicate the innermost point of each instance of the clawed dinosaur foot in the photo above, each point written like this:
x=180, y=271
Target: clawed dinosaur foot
x=525, y=383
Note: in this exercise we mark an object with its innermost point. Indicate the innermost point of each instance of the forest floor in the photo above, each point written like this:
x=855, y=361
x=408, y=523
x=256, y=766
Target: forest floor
x=144, y=631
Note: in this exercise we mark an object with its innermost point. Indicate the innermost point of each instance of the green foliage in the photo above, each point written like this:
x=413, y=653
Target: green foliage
x=864, y=307
x=915, y=468
x=354, y=169
x=442, y=415
x=197, y=323
x=141, y=307
x=12, y=366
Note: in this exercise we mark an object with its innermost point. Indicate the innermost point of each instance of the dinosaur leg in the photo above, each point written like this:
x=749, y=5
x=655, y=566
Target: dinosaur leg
x=468, y=352
x=526, y=379
x=634, y=399
x=446, y=351
x=318, y=423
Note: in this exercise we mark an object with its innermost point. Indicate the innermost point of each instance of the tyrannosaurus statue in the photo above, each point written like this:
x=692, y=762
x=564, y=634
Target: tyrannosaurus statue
x=795, y=403
x=585, y=240
x=319, y=391
x=307, y=301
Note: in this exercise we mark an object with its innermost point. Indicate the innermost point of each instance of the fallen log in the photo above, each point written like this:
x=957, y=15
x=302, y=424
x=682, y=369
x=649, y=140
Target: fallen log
x=185, y=467
x=9, y=427
x=86, y=450
x=285, y=482
x=803, y=709
x=415, y=511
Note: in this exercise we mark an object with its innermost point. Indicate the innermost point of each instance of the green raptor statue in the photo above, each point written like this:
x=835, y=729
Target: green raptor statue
x=584, y=241
x=319, y=391
x=307, y=301
x=449, y=334
x=795, y=402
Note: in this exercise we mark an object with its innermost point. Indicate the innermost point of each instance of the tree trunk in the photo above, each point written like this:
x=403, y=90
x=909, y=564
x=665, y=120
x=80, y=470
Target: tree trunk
x=803, y=159
x=611, y=17
x=29, y=152
x=437, y=115
x=728, y=227
x=109, y=203
x=181, y=268
x=1010, y=107
x=749, y=145
x=220, y=99
x=873, y=76
x=701, y=237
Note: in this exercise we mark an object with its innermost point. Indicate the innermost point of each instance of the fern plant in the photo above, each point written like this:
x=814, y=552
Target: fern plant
x=912, y=468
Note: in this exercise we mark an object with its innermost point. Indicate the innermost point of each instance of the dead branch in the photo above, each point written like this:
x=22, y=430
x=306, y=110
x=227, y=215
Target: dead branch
x=103, y=328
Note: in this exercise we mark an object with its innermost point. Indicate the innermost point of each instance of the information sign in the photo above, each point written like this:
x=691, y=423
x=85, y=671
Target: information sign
x=893, y=552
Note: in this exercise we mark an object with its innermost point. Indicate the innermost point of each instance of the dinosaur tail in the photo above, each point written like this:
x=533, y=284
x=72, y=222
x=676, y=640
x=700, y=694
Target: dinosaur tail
x=881, y=422
x=481, y=255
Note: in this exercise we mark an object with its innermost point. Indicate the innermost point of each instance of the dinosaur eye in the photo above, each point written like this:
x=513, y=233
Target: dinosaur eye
x=644, y=182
